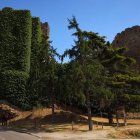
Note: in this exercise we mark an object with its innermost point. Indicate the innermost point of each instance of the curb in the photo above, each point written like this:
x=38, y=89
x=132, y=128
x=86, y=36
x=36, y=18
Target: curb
x=23, y=131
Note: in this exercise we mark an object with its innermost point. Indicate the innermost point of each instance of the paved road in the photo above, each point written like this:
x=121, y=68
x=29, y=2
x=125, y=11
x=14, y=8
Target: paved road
x=13, y=135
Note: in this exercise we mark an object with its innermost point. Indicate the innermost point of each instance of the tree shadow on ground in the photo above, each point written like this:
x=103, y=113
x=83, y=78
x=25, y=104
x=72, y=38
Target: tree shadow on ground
x=60, y=121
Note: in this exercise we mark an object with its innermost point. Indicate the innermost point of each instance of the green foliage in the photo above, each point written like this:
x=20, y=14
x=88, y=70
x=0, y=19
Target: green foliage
x=43, y=77
x=84, y=79
x=20, y=43
x=36, y=40
x=48, y=80
x=103, y=96
x=15, y=53
x=130, y=79
x=86, y=76
x=117, y=85
x=30, y=74
x=15, y=40
x=13, y=87
x=35, y=66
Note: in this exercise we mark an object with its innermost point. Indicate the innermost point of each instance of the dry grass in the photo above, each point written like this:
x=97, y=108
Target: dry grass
x=40, y=119
x=105, y=120
x=126, y=134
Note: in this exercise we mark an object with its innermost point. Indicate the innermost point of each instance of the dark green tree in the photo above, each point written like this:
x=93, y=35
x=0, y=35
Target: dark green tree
x=87, y=73
x=123, y=81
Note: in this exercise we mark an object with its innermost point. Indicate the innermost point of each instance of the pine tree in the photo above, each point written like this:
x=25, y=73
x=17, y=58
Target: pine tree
x=87, y=72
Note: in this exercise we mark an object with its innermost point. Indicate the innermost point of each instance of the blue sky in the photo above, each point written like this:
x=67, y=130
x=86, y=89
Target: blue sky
x=107, y=17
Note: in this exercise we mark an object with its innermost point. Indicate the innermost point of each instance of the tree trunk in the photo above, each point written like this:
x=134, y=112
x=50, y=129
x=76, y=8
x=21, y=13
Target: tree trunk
x=53, y=109
x=90, y=122
x=101, y=113
x=117, y=118
x=124, y=115
x=110, y=118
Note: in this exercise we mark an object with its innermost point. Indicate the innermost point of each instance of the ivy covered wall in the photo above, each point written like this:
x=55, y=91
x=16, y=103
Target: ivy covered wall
x=15, y=39
x=36, y=41
x=13, y=87
x=20, y=38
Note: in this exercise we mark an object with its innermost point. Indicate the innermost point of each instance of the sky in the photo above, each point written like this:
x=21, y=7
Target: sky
x=107, y=17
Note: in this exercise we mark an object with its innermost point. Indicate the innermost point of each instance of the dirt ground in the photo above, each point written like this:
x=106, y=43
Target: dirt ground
x=76, y=135
x=68, y=125
x=117, y=133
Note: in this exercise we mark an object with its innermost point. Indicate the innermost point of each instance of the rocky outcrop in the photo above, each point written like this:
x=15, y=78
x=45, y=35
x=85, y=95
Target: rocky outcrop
x=129, y=38
x=45, y=28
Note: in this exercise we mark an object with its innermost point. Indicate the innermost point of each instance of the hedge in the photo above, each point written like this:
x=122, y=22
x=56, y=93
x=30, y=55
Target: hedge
x=34, y=71
x=20, y=42
x=13, y=86
x=36, y=41
x=15, y=39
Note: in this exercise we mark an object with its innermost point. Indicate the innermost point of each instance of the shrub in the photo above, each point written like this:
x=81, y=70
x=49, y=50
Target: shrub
x=15, y=39
x=13, y=86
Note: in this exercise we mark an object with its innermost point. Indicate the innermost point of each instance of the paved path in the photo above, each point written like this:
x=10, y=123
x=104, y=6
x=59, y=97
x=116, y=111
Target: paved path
x=13, y=135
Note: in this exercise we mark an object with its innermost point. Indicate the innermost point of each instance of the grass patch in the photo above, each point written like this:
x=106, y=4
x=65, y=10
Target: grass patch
x=125, y=134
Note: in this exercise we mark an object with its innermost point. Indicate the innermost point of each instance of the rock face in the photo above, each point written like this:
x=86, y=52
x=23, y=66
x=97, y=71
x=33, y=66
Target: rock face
x=45, y=28
x=129, y=38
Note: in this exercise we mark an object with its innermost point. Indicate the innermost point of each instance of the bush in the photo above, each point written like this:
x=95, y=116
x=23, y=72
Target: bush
x=36, y=42
x=15, y=39
x=13, y=87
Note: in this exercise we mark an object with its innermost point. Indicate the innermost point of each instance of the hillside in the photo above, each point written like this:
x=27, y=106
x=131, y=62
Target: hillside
x=129, y=38
x=39, y=122
x=41, y=118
